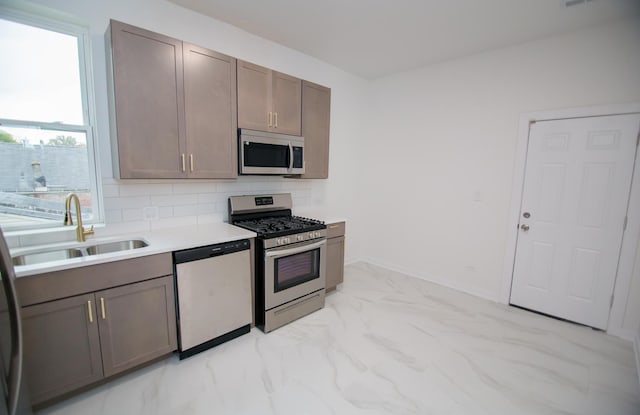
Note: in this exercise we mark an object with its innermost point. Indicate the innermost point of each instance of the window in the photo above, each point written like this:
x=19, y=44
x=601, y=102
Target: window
x=46, y=131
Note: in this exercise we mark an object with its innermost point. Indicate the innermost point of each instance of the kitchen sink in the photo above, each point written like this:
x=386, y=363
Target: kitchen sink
x=58, y=254
x=46, y=256
x=118, y=246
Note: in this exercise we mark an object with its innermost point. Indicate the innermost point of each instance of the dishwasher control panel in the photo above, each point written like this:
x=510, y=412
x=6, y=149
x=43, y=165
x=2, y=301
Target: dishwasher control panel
x=194, y=254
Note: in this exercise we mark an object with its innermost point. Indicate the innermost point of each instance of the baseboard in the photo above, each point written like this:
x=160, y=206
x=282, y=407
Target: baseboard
x=622, y=333
x=487, y=295
x=636, y=349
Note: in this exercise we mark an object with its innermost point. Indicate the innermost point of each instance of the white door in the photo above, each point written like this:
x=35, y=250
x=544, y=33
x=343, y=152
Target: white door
x=574, y=203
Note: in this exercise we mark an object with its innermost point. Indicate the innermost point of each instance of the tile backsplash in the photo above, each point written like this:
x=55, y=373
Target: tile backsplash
x=143, y=205
x=148, y=205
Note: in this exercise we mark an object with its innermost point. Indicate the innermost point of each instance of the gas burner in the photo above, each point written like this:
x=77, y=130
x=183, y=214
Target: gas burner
x=272, y=227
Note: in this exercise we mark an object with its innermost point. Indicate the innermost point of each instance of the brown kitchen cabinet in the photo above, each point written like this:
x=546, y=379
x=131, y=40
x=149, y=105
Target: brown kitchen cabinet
x=268, y=100
x=335, y=255
x=172, y=107
x=76, y=333
x=137, y=323
x=61, y=347
x=316, y=115
x=211, y=115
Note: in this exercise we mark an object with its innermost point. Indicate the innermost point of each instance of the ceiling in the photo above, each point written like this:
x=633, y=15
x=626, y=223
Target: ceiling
x=375, y=38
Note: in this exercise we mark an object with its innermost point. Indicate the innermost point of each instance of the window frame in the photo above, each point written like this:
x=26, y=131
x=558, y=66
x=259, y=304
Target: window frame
x=48, y=19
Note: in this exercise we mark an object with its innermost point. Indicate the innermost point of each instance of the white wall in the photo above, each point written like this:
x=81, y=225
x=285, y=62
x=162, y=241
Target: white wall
x=443, y=144
x=182, y=202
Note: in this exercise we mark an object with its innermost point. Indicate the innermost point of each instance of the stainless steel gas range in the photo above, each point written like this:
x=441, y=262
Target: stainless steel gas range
x=290, y=258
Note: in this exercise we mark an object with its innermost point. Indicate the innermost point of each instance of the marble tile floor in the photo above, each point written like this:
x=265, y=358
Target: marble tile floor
x=389, y=344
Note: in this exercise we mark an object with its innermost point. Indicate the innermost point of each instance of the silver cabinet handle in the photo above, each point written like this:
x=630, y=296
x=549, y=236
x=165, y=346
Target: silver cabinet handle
x=191, y=162
x=276, y=120
x=184, y=165
x=104, y=315
x=270, y=119
x=524, y=227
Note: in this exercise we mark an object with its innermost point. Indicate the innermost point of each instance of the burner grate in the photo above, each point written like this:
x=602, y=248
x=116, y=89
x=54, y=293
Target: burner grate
x=278, y=226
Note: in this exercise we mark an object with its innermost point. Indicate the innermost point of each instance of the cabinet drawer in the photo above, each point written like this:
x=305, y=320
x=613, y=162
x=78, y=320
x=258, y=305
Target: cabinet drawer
x=335, y=229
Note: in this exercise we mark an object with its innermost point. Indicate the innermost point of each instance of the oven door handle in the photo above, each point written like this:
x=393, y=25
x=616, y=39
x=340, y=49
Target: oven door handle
x=296, y=250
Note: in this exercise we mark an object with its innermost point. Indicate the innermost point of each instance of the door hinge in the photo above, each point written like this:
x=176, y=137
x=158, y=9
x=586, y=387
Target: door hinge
x=624, y=225
x=611, y=304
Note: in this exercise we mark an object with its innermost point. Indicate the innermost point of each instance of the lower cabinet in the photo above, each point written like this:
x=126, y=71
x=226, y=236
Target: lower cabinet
x=61, y=346
x=335, y=255
x=76, y=341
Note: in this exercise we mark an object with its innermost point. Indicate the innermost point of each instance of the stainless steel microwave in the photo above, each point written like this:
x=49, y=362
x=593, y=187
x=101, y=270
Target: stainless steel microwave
x=260, y=152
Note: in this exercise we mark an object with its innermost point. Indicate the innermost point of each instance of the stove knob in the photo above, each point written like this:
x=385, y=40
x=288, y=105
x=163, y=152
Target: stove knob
x=316, y=234
x=285, y=240
x=279, y=241
x=310, y=235
x=299, y=237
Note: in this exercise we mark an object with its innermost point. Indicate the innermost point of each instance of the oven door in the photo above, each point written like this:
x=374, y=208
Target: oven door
x=294, y=271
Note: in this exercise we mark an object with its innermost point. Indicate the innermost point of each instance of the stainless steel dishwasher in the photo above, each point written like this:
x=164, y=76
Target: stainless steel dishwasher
x=213, y=292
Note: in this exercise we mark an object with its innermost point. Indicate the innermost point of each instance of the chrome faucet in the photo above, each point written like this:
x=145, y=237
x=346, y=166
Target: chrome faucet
x=68, y=220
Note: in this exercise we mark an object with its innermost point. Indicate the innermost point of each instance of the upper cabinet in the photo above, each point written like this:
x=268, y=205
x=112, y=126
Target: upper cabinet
x=173, y=107
x=210, y=108
x=316, y=116
x=268, y=100
x=147, y=111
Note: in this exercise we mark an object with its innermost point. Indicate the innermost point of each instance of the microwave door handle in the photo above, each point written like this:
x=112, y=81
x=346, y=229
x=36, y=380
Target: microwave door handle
x=296, y=250
x=290, y=156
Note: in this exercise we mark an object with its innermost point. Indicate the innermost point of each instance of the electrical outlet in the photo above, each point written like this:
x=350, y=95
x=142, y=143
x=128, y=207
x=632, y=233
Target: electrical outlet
x=150, y=213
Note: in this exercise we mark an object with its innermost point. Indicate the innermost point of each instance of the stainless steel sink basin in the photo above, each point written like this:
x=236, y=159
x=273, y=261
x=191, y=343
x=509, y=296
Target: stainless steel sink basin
x=118, y=246
x=46, y=256
x=57, y=254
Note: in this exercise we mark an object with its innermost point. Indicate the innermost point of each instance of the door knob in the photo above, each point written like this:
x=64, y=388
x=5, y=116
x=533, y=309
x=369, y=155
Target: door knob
x=524, y=227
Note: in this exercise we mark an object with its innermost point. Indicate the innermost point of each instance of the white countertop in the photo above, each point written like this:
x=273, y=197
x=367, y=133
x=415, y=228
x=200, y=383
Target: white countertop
x=160, y=241
x=319, y=213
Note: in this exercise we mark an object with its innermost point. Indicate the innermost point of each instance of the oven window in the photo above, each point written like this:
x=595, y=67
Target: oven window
x=296, y=269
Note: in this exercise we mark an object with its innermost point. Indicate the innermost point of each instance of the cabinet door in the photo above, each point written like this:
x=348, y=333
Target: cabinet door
x=254, y=96
x=316, y=115
x=287, y=101
x=335, y=262
x=210, y=109
x=61, y=346
x=148, y=102
x=137, y=323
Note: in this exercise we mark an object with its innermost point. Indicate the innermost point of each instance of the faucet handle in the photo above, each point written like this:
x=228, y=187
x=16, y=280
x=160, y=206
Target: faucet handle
x=90, y=231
